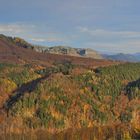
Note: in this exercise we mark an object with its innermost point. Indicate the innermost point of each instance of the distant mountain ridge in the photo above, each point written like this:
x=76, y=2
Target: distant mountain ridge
x=124, y=57
x=69, y=51
x=62, y=50
x=13, y=51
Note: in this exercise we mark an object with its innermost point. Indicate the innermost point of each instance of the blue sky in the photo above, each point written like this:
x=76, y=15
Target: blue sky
x=104, y=25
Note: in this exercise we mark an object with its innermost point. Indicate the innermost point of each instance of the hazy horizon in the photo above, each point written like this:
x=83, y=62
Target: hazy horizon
x=105, y=26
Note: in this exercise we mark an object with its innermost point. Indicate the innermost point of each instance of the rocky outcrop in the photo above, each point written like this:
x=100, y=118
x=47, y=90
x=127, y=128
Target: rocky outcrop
x=62, y=50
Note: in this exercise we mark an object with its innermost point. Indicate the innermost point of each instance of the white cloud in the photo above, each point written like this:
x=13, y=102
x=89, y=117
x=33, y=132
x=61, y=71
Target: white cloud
x=109, y=33
x=38, y=39
x=15, y=28
x=32, y=32
x=111, y=40
x=54, y=39
x=50, y=39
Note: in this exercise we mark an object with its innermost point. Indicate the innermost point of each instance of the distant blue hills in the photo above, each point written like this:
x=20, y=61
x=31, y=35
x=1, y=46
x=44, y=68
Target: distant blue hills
x=123, y=57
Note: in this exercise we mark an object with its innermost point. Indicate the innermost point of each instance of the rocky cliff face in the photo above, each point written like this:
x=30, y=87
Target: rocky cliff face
x=81, y=52
x=90, y=53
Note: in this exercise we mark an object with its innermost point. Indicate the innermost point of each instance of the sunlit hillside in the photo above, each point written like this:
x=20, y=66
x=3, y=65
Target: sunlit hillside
x=65, y=96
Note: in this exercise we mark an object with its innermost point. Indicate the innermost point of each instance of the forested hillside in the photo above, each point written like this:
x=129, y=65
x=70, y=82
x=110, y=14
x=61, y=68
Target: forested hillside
x=68, y=99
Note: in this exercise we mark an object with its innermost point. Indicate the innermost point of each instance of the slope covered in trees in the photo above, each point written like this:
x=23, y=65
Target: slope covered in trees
x=63, y=98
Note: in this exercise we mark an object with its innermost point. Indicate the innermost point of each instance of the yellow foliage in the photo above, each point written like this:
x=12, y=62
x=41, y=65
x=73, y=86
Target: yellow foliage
x=86, y=107
x=7, y=86
x=85, y=89
x=127, y=136
x=56, y=114
x=28, y=113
